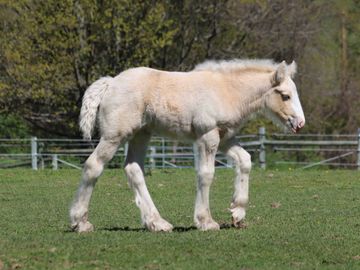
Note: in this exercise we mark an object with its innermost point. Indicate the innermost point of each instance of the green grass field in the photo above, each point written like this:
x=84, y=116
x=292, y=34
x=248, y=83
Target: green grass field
x=296, y=220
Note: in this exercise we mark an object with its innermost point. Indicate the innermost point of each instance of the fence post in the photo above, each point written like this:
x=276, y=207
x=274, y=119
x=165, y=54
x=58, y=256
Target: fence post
x=152, y=157
x=34, y=161
x=196, y=156
x=126, y=148
x=55, y=161
x=163, y=152
x=262, y=154
x=358, y=150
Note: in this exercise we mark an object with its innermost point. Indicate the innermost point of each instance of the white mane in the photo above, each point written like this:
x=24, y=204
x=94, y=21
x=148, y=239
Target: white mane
x=237, y=64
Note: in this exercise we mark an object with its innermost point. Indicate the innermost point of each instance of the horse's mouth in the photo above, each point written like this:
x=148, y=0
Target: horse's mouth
x=291, y=126
x=294, y=124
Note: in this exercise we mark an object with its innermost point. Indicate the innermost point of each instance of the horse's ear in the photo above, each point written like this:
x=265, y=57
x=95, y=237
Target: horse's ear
x=280, y=73
x=292, y=69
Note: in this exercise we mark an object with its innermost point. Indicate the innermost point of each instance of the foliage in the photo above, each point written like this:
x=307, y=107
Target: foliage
x=293, y=222
x=51, y=51
x=13, y=127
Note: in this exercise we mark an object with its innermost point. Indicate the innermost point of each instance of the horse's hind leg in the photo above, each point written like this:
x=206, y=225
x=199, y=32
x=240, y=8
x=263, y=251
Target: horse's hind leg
x=134, y=169
x=93, y=168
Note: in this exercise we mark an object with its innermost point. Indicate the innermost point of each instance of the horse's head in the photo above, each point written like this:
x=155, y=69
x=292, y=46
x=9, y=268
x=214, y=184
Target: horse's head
x=282, y=100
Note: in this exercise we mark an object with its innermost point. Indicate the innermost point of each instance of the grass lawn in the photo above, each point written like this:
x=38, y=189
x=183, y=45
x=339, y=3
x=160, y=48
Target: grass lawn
x=296, y=220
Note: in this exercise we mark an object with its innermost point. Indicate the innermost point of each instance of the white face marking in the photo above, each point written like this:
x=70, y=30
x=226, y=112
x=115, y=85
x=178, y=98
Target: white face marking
x=295, y=101
x=297, y=106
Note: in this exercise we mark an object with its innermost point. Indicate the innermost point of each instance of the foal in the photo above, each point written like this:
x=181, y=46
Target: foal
x=205, y=106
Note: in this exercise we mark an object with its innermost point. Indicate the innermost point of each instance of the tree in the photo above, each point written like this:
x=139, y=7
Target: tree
x=51, y=51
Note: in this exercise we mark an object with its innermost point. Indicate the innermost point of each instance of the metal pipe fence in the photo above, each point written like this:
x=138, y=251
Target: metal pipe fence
x=267, y=150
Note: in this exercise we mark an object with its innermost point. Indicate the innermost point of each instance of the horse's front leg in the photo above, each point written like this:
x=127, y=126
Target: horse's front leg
x=242, y=161
x=207, y=147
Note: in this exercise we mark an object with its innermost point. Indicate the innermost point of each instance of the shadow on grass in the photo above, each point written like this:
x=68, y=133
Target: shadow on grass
x=223, y=226
x=123, y=229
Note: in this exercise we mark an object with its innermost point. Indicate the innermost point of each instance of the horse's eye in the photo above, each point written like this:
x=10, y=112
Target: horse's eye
x=285, y=97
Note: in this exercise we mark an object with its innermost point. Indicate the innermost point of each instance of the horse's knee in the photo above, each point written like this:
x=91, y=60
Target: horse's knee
x=245, y=162
x=134, y=173
x=206, y=174
x=241, y=158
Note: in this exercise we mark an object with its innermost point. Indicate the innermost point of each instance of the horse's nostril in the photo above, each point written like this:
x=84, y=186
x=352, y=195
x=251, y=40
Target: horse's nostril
x=301, y=124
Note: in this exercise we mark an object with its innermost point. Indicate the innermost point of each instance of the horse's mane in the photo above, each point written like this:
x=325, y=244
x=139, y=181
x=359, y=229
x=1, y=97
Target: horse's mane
x=267, y=65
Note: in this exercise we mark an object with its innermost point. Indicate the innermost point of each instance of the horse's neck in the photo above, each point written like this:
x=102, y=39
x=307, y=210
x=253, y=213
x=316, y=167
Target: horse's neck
x=252, y=92
x=256, y=105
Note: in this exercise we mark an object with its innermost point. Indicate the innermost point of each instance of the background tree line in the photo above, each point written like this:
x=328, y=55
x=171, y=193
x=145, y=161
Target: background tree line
x=50, y=51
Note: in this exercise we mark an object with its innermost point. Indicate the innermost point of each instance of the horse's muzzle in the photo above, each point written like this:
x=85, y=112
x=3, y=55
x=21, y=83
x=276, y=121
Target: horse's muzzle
x=296, y=123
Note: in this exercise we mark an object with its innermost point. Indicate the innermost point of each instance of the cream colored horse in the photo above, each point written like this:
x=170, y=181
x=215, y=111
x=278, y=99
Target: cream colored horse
x=205, y=105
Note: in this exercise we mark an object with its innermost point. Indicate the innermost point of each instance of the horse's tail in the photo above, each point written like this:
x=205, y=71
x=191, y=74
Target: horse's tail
x=90, y=103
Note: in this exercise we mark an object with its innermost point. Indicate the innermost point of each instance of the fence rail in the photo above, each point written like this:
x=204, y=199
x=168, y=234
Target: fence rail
x=303, y=151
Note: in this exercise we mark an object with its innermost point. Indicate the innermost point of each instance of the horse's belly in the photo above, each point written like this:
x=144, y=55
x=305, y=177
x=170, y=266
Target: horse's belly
x=175, y=129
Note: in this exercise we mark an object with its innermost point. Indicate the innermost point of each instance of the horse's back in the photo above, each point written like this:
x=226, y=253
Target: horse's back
x=176, y=102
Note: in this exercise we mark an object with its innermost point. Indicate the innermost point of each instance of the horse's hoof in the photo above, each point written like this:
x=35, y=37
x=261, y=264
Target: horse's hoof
x=238, y=215
x=239, y=224
x=208, y=226
x=159, y=225
x=82, y=227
